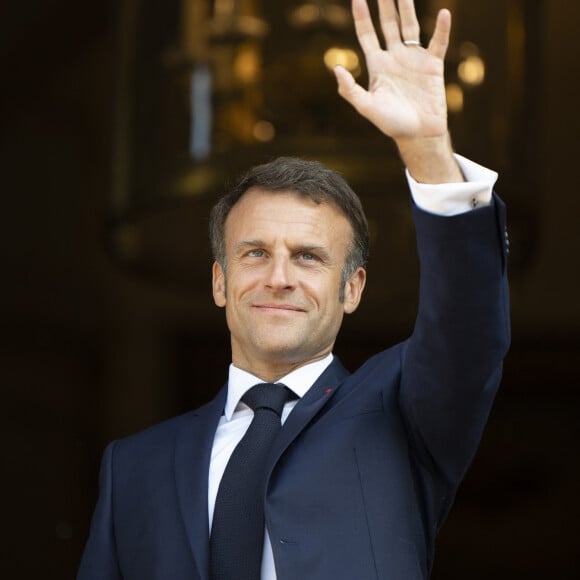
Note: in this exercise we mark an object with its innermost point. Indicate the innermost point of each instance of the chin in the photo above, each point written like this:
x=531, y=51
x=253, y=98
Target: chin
x=283, y=351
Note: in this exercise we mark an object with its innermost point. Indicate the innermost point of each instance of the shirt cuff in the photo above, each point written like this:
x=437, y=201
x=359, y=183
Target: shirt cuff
x=449, y=199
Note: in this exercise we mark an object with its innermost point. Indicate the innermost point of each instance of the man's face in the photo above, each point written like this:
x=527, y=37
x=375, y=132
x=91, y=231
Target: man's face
x=281, y=290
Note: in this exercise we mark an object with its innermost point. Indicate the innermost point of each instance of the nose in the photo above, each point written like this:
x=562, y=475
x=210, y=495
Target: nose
x=280, y=274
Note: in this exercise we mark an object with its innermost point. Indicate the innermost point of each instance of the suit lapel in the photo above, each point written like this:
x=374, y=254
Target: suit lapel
x=317, y=396
x=192, y=457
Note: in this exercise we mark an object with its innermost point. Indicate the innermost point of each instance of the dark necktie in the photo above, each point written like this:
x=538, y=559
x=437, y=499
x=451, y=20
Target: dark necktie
x=237, y=534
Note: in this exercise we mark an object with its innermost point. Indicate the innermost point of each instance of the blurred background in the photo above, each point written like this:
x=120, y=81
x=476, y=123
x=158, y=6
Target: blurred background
x=120, y=124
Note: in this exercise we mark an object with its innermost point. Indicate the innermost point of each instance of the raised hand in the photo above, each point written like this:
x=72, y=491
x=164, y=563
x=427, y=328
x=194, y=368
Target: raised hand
x=406, y=94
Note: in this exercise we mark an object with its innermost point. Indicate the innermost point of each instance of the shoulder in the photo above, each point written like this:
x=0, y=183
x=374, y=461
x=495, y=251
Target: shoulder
x=379, y=374
x=163, y=435
x=159, y=436
x=385, y=363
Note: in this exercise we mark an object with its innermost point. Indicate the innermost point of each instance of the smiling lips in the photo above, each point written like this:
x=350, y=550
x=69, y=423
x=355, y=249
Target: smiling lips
x=278, y=307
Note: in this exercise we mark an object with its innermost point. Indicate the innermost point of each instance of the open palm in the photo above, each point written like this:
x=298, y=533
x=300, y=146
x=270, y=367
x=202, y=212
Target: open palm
x=406, y=94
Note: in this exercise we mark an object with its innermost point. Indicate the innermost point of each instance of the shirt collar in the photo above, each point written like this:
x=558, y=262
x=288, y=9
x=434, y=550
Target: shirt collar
x=298, y=381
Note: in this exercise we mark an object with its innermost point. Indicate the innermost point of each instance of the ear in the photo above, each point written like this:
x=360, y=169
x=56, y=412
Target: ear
x=353, y=290
x=218, y=285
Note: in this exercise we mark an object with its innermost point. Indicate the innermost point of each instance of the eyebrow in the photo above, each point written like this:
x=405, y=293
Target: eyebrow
x=248, y=244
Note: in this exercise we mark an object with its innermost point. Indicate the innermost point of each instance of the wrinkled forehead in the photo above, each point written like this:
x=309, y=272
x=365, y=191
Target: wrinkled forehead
x=256, y=195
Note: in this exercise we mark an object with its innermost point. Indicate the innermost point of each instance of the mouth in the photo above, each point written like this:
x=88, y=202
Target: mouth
x=278, y=308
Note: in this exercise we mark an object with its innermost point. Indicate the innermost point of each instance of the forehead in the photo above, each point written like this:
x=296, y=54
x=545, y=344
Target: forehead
x=257, y=205
x=280, y=212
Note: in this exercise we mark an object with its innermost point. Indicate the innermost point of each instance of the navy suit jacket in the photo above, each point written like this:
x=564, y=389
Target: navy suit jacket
x=366, y=466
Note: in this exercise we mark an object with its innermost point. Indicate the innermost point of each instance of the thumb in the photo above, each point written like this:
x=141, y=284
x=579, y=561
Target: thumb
x=350, y=91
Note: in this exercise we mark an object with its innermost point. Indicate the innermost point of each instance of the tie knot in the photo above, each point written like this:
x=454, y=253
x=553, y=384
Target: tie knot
x=267, y=396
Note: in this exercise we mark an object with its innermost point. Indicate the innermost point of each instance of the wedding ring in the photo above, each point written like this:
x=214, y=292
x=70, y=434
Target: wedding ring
x=411, y=43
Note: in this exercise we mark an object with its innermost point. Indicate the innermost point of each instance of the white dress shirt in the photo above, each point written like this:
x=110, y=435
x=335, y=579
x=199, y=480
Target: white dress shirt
x=443, y=199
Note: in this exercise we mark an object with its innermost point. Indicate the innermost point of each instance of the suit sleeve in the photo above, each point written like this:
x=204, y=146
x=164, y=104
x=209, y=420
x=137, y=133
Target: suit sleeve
x=452, y=364
x=99, y=561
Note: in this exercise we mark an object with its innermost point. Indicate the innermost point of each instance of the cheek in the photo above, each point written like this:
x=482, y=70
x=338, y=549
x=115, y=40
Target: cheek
x=326, y=295
x=238, y=286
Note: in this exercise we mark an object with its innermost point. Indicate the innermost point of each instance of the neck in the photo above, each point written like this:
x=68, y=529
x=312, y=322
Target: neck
x=272, y=371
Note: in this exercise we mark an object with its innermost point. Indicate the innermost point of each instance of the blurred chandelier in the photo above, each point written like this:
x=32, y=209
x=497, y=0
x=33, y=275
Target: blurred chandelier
x=208, y=83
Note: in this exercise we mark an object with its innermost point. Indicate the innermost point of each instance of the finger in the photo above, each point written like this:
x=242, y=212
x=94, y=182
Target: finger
x=350, y=91
x=390, y=22
x=440, y=39
x=410, y=29
x=365, y=31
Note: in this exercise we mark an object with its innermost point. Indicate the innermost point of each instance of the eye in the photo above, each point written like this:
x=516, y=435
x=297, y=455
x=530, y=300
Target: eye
x=256, y=253
x=309, y=257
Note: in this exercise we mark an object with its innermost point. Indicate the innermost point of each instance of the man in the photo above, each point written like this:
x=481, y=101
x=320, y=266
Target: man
x=361, y=475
